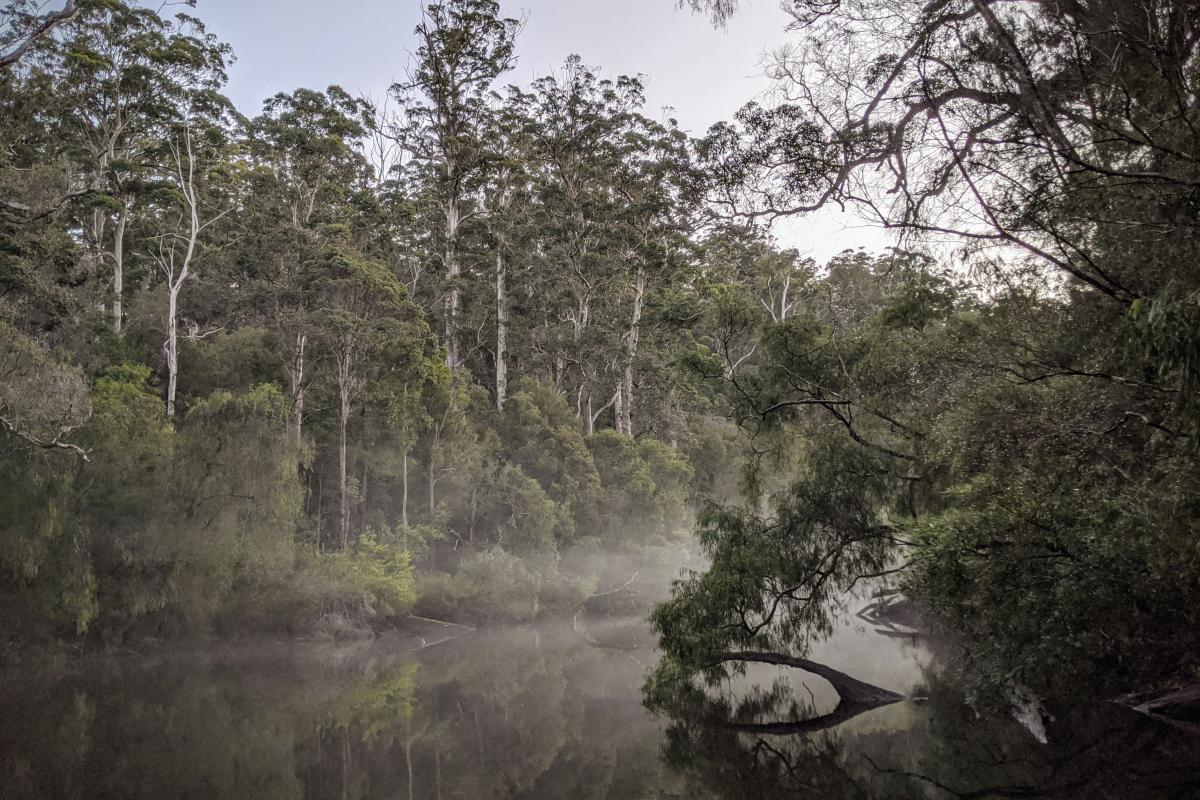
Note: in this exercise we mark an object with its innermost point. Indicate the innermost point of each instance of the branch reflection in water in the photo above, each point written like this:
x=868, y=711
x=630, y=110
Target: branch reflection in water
x=541, y=712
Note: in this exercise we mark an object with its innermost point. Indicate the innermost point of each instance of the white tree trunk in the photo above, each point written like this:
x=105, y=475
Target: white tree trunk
x=172, y=345
x=176, y=266
x=404, y=489
x=296, y=372
x=501, y=329
x=344, y=359
x=453, y=271
x=625, y=403
x=118, y=257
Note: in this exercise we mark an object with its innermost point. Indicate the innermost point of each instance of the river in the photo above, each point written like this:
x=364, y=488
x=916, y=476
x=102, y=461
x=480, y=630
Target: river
x=545, y=711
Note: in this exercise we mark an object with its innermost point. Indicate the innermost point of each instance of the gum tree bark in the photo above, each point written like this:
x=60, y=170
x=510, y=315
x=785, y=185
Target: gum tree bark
x=625, y=403
x=502, y=316
x=296, y=373
x=174, y=265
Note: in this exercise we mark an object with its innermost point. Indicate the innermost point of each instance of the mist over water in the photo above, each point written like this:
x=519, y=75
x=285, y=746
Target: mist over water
x=533, y=711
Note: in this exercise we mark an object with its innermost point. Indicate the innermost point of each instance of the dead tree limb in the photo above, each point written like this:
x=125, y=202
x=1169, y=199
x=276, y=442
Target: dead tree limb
x=590, y=597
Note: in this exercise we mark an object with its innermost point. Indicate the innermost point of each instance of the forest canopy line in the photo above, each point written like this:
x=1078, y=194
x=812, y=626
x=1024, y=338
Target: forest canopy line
x=316, y=363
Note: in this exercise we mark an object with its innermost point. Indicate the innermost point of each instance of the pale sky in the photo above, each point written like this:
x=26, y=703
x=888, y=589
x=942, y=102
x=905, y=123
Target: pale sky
x=704, y=75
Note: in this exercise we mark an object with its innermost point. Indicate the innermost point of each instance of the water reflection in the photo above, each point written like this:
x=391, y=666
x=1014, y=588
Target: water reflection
x=542, y=713
x=527, y=712
x=934, y=748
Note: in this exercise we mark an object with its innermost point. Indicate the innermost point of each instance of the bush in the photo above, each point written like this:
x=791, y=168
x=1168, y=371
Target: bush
x=341, y=594
x=496, y=586
x=646, y=486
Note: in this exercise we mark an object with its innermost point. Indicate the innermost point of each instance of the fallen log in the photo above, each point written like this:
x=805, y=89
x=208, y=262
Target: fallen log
x=623, y=587
x=854, y=696
x=847, y=687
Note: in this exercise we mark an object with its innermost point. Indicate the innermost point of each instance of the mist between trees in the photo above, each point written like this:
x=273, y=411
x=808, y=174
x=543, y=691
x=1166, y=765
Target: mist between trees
x=313, y=366
x=303, y=368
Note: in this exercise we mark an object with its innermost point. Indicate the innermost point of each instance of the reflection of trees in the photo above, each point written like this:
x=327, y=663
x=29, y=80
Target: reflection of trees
x=745, y=747
x=541, y=715
x=538, y=714
x=503, y=714
x=724, y=749
x=124, y=736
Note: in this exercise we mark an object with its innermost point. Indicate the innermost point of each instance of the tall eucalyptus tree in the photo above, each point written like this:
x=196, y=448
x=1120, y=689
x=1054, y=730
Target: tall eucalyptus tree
x=307, y=172
x=125, y=79
x=463, y=47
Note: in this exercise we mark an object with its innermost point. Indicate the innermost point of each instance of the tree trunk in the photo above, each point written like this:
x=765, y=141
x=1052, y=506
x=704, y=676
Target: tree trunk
x=118, y=256
x=344, y=500
x=172, y=345
x=589, y=424
x=343, y=357
x=618, y=408
x=453, y=271
x=589, y=419
x=849, y=688
x=625, y=405
x=167, y=263
x=501, y=328
x=404, y=489
x=296, y=372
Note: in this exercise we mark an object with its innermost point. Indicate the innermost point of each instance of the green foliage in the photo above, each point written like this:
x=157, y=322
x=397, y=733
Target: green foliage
x=540, y=435
x=310, y=407
x=1013, y=478
x=1038, y=539
x=234, y=361
x=525, y=517
x=495, y=586
x=373, y=582
x=645, y=484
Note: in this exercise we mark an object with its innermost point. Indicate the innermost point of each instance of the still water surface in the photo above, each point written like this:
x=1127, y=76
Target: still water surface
x=539, y=712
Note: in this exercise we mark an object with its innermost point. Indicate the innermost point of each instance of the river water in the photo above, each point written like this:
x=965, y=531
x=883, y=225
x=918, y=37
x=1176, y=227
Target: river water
x=549, y=711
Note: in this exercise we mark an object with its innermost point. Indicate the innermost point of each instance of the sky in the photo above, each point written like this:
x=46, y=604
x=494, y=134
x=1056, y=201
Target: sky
x=695, y=73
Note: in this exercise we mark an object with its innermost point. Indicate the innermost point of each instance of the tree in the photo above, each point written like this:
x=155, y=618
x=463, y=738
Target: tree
x=177, y=247
x=1004, y=132
x=505, y=206
x=463, y=47
x=42, y=399
x=18, y=42
x=126, y=80
x=369, y=318
x=578, y=120
x=654, y=168
x=307, y=174
x=1056, y=145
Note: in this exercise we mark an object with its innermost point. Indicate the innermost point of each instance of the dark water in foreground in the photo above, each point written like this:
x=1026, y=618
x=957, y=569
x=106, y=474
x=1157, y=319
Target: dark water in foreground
x=537, y=712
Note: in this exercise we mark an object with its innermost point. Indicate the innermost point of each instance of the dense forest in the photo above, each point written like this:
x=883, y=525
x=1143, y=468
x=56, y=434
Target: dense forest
x=483, y=349
x=264, y=370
